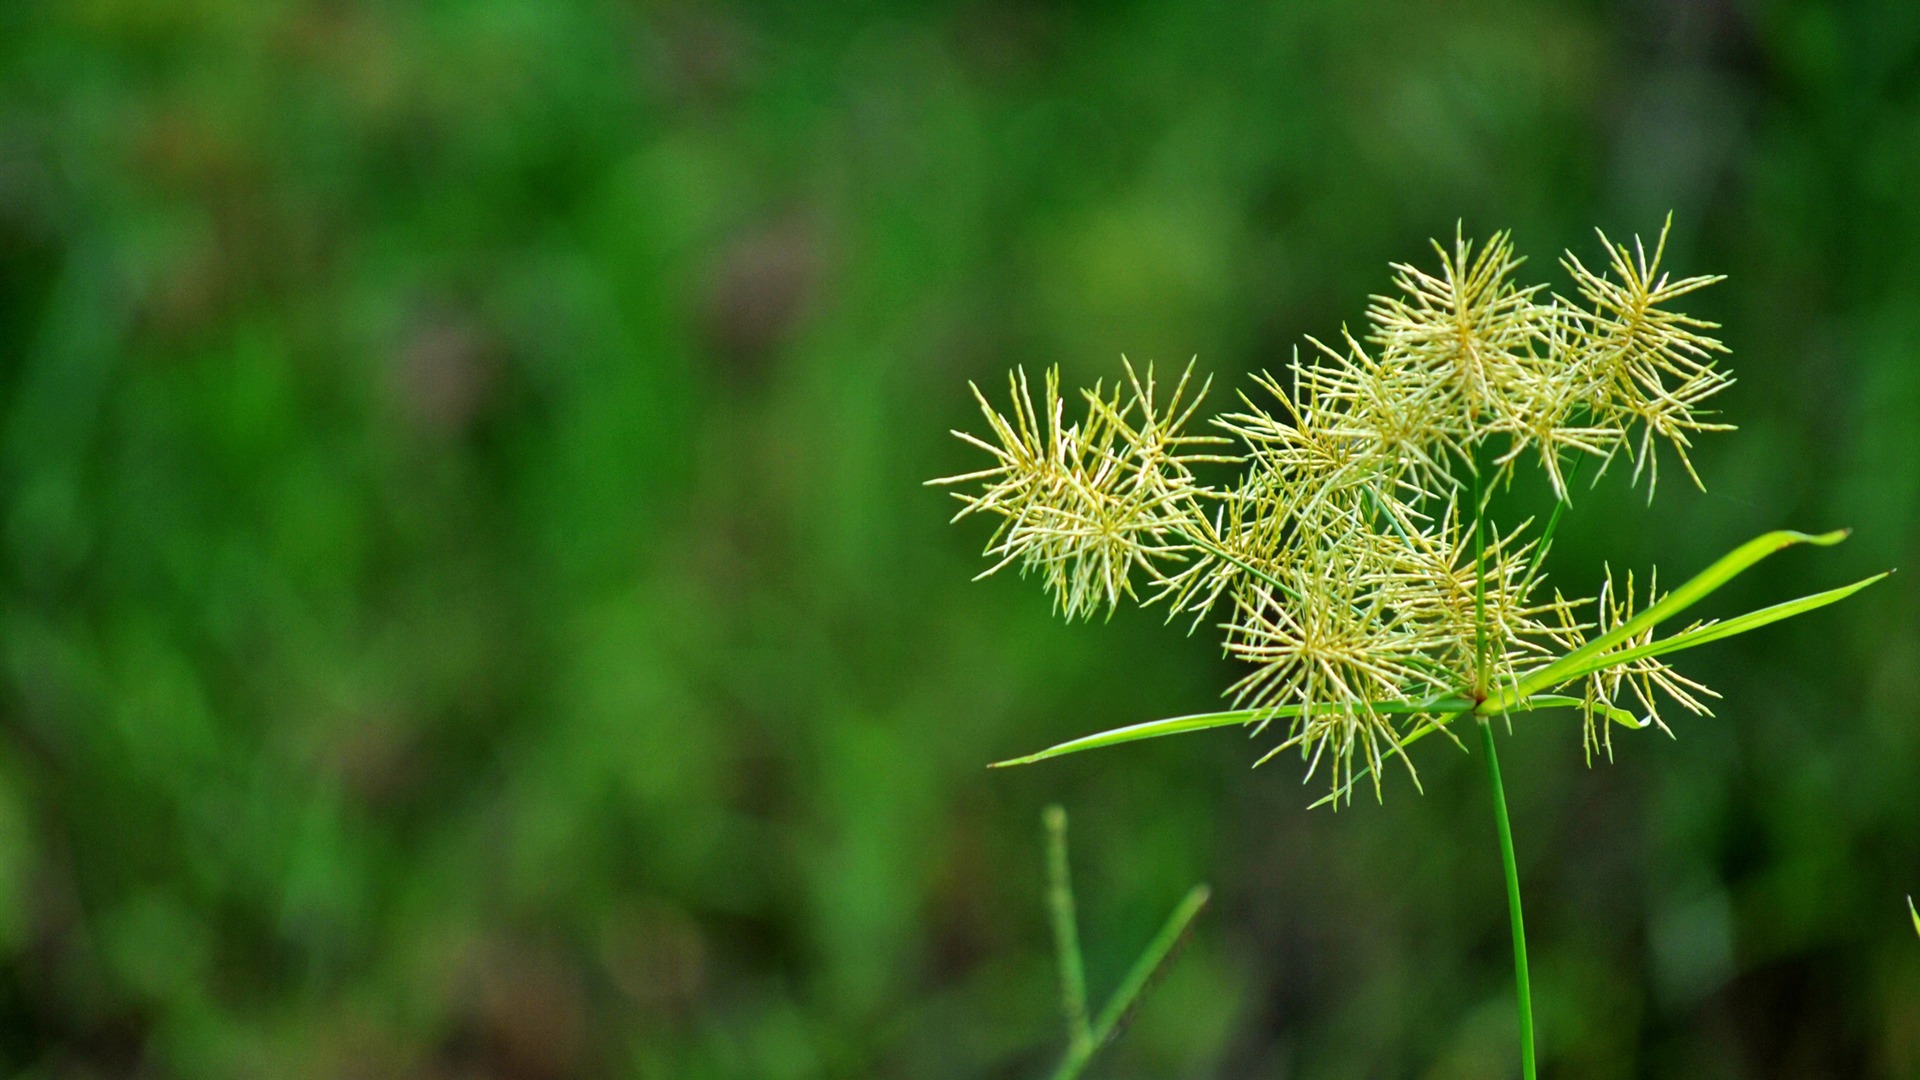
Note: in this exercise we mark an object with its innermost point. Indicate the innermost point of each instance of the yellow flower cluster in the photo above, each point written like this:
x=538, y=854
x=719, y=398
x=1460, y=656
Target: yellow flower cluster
x=1352, y=554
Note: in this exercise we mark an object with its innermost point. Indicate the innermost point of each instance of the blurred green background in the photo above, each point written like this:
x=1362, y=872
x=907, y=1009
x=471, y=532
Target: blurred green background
x=470, y=608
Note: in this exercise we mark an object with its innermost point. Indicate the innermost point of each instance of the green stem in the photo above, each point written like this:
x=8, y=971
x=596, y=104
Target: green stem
x=1148, y=967
x=1479, y=592
x=1523, y=989
x=1120, y=1007
x=1553, y=523
x=1066, y=936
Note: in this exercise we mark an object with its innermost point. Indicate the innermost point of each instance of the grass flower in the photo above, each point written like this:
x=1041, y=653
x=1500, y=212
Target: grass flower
x=1354, y=560
x=1354, y=563
x=1642, y=675
x=1085, y=505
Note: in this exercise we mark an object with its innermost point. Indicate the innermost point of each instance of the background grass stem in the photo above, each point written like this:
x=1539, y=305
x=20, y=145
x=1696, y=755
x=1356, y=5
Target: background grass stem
x=1066, y=934
x=1084, y=1039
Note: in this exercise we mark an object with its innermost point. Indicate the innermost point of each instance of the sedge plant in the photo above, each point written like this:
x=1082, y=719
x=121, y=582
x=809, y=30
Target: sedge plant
x=1354, y=555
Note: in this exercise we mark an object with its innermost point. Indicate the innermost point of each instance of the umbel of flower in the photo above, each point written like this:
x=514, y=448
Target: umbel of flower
x=1351, y=558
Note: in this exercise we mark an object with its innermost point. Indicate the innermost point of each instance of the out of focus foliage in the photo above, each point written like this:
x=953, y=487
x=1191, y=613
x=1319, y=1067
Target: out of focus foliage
x=469, y=607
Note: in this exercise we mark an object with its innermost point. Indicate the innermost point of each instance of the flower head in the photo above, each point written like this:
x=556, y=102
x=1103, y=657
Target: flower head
x=1355, y=556
x=1085, y=505
x=1333, y=644
x=1643, y=363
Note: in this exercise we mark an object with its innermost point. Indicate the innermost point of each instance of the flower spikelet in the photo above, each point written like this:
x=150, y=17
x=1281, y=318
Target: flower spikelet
x=1333, y=646
x=1250, y=540
x=1640, y=675
x=1645, y=364
x=1395, y=416
x=1480, y=603
x=1086, y=504
x=1547, y=410
x=1469, y=329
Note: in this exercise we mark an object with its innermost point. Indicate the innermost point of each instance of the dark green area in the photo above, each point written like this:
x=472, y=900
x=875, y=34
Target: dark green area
x=469, y=608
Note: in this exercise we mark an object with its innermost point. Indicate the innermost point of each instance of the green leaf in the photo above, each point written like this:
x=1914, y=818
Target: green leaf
x=1562, y=701
x=1915, y=912
x=1149, y=966
x=1526, y=695
x=1702, y=585
x=1176, y=725
x=1752, y=620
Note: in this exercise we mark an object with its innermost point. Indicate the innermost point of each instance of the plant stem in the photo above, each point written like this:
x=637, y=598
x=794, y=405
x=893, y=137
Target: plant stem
x=1481, y=689
x=1523, y=989
x=1553, y=522
x=1119, y=1008
x=1149, y=966
x=1066, y=936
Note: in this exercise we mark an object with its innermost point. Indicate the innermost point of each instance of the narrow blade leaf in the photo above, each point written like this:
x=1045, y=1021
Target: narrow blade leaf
x=1702, y=585
x=1562, y=701
x=1752, y=620
x=1176, y=725
x=1147, y=969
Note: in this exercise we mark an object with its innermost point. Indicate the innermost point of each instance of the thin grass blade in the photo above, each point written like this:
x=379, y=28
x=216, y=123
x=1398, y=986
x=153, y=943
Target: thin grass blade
x=1147, y=969
x=1562, y=701
x=1752, y=620
x=1702, y=585
x=1177, y=725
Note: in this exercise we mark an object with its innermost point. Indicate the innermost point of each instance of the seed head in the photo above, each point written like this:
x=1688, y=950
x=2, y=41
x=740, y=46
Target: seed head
x=1640, y=675
x=1084, y=505
x=1354, y=556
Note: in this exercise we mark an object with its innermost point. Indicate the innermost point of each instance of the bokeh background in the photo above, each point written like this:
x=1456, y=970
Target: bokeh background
x=470, y=608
